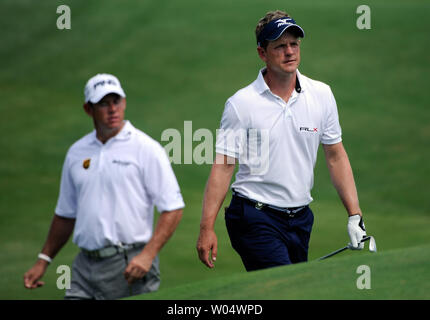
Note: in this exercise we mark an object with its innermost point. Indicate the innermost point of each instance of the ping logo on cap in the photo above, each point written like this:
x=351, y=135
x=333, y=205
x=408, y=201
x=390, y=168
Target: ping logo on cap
x=104, y=82
x=86, y=163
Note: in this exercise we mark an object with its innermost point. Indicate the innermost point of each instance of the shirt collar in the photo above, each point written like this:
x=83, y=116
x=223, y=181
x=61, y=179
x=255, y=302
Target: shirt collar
x=261, y=85
x=124, y=134
x=299, y=82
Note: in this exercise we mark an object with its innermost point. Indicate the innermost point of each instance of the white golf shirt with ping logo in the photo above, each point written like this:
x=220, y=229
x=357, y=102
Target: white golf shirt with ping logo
x=277, y=149
x=111, y=189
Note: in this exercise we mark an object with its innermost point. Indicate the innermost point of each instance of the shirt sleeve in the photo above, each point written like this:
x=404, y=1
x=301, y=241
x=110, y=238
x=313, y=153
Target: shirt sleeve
x=231, y=134
x=67, y=201
x=160, y=181
x=332, y=133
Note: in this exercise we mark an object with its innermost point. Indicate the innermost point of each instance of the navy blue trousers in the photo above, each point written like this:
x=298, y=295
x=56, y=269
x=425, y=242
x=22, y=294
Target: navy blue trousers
x=266, y=239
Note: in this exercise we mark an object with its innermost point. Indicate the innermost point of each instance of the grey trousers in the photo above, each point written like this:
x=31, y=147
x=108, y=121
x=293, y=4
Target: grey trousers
x=102, y=279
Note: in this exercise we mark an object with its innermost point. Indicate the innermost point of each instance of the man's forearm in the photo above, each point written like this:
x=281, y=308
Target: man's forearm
x=166, y=226
x=216, y=190
x=342, y=177
x=59, y=233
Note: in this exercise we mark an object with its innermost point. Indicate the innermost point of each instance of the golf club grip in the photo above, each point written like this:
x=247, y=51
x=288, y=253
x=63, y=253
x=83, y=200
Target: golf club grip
x=365, y=238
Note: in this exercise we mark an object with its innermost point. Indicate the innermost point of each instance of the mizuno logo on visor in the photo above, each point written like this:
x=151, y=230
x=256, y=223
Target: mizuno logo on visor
x=283, y=22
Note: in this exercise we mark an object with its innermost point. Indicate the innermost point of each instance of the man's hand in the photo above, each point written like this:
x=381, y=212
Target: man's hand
x=356, y=231
x=59, y=232
x=207, y=247
x=141, y=264
x=138, y=267
x=32, y=276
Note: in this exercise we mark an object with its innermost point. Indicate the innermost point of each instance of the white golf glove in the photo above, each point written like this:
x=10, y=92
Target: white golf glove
x=356, y=231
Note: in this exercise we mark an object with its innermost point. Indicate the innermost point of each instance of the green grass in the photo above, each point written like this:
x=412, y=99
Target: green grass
x=180, y=60
x=394, y=274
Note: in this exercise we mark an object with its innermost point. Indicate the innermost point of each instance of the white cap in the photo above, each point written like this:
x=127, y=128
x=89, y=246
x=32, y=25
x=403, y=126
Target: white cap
x=100, y=85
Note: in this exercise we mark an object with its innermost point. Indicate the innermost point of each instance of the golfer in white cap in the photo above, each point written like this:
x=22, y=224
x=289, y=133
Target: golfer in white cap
x=111, y=180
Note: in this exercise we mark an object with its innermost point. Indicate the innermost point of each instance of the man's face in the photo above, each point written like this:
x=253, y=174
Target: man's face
x=282, y=55
x=108, y=113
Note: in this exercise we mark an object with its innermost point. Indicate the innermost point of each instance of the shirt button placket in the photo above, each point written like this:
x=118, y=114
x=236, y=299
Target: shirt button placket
x=289, y=105
x=285, y=107
x=101, y=158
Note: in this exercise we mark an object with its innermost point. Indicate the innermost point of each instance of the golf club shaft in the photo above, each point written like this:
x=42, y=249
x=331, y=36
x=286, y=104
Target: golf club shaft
x=342, y=249
x=333, y=253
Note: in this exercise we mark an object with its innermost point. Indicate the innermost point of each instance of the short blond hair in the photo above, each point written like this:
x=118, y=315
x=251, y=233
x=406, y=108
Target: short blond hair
x=270, y=16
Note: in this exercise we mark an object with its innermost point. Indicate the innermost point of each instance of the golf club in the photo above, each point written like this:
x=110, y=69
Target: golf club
x=372, y=247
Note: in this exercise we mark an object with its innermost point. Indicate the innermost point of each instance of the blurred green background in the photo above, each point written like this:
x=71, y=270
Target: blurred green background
x=179, y=61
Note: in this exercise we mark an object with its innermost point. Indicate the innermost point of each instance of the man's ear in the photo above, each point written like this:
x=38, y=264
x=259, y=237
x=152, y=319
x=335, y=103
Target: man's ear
x=262, y=53
x=88, y=109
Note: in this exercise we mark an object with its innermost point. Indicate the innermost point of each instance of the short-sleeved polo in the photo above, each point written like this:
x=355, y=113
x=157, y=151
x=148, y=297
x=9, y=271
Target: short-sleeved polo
x=286, y=139
x=111, y=189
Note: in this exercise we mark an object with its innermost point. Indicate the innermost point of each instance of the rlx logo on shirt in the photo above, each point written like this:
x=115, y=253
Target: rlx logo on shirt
x=314, y=130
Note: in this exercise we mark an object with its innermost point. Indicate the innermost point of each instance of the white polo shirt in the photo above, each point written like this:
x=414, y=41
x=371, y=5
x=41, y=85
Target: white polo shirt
x=111, y=188
x=278, y=141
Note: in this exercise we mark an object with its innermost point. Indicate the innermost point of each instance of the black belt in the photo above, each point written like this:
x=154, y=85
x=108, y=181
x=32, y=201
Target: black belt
x=291, y=212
